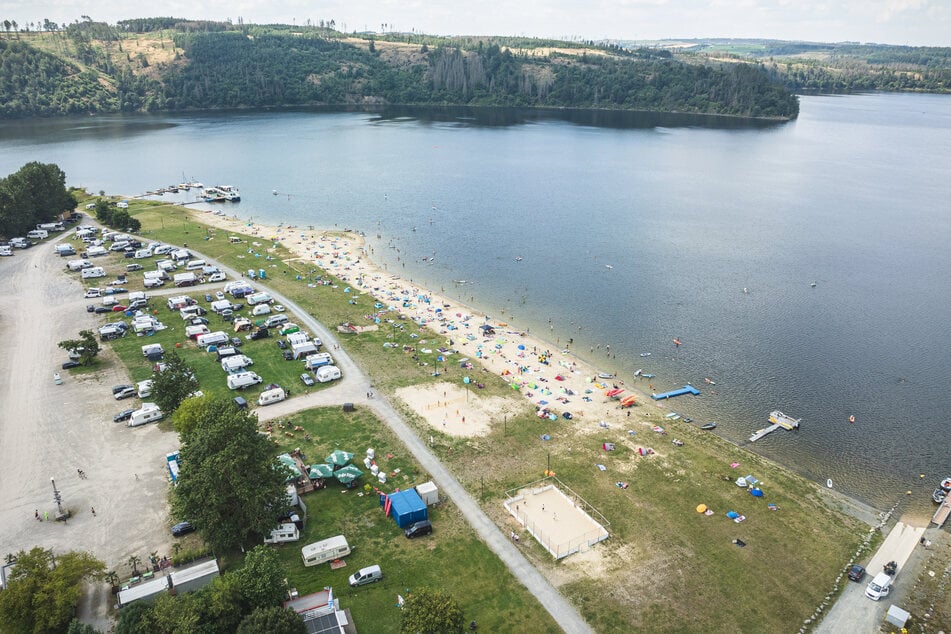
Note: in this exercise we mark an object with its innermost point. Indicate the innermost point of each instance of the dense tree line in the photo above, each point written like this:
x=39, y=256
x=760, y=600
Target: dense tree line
x=34, y=194
x=273, y=68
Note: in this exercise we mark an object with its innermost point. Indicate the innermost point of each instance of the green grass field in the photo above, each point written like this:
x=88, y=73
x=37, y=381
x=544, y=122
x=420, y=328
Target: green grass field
x=665, y=566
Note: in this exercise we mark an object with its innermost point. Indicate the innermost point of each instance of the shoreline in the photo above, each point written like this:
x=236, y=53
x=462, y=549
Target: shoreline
x=344, y=254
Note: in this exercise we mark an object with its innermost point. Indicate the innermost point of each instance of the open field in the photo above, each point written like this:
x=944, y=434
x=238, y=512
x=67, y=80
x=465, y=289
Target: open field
x=653, y=522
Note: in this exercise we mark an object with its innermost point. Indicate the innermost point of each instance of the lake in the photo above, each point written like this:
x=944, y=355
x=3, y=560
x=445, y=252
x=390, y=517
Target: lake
x=632, y=230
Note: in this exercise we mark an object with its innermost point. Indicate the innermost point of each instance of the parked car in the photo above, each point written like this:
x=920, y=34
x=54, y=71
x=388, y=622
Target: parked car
x=307, y=379
x=126, y=393
x=219, y=296
x=118, y=388
x=282, y=344
x=278, y=308
x=71, y=364
x=288, y=355
x=260, y=333
x=92, y=293
x=236, y=342
x=418, y=529
x=857, y=573
x=90, y=308
x=182, y=528
x=198, y=321
x=118, y=308
x=125, y=414
x=208, y=297
x=102, y=309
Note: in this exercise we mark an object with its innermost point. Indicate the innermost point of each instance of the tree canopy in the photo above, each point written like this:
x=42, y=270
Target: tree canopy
x=44, y=589
x=173, y=384
x=429, y=611
x=87, y=346
x=272, y=620
x=34, y=194
x=231, y=485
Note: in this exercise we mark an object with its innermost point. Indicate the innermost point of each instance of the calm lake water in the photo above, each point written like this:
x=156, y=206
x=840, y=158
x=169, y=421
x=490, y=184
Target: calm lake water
x=633, y=231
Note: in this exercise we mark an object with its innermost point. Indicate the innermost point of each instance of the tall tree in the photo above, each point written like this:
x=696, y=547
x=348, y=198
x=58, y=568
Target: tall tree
x=261, y=580
x=174, y=384
x=43, y=592
x=86, y=346
x=231, y=485
x=33, y=194
x=429, y=611
x=272, y=620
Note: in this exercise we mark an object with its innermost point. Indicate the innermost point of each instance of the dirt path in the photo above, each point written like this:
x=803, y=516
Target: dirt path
x=50, y=431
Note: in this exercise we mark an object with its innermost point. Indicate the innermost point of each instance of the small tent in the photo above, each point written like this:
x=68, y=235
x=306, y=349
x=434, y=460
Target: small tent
x=428, y=492
x=405, y=507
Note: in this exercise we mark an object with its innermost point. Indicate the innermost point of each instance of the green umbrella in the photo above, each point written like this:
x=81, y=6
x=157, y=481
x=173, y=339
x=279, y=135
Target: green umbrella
x=289, y=463
x=338, y=458
x=348, y=474
x=321, y=470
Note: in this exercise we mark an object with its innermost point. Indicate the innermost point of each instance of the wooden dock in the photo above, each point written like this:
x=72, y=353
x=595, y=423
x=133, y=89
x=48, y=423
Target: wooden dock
x=941, y=515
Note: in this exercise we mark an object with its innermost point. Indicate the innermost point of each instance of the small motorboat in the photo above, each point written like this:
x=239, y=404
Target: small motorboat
x=648, y=376
x=829, y=483
x=605, y=375
x=710, y=425
x=645, y=354
x=939, y=495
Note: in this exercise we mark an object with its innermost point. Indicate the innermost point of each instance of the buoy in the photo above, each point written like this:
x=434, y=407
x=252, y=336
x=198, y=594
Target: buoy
x=851, y=419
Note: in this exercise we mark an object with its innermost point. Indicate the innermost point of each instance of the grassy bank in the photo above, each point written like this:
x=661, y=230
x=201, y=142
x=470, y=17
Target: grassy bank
x=665, y=566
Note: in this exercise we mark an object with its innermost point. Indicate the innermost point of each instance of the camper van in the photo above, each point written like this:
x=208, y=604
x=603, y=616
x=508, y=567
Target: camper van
x=64, y=250
x=213, y=339
x=193, y=332
x=235, y=362
x=242, y=380
x=96, y=251
x=179, y=302
x=144, y=388
x=152, y=282
x=194, y=265
x=185, y=279
x=93, y=272
x=270, y=396
x=286, y=532
x=141, y=254
x=78, y=265
x=327, y=373
x=276, y=320
x=365, y=576
x=259, y=298
x=217, y=276
x=148, y=413
x=220, y=305
x=180, y=255
x=314, y=361
x=325, y=550
x=37, y=234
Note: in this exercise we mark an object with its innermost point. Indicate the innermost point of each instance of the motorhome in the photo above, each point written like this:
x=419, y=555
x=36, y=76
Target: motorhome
x=64, y=250
x=141, y=254
x=259, y=298
x=37, y=234
x=217, y=276
x=78, y=265
x=314, y=361
x=180, y=255
x=325, y=550
x=235, y=363
x=220, y=305
x=144, y=388
x=184, y=279
x=193, y=332
x=179, y=302
x=242, y=380
x=96, y=251
x=194, y=265
x=93, y=272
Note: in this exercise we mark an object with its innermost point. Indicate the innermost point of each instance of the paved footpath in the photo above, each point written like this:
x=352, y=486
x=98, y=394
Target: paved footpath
x=353, y=388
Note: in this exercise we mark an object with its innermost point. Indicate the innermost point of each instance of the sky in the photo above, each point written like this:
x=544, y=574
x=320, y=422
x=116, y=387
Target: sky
x=909, y=22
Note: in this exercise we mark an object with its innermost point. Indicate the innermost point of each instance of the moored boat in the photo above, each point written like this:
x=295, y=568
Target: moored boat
x=710, y=425
x=942, y=492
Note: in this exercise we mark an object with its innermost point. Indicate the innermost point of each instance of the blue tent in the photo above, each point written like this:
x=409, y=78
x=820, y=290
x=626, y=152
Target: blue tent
x=406, y=507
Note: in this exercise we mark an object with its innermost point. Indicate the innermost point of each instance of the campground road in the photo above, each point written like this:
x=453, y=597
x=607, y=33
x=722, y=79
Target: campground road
x=354, y=388
x=853, y=611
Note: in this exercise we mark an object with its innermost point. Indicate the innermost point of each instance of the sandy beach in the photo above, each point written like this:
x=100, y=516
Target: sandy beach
x=552, y=380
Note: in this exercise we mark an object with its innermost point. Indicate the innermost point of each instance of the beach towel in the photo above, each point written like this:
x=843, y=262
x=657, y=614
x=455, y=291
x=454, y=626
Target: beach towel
x=601, y=467
x=739, y=519
x=734, y=465
x=608, y=446
x=621, y=485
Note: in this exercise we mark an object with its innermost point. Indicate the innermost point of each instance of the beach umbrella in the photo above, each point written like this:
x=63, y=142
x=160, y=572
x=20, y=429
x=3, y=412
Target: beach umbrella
x=287, y=461
x=347, y=474
x=321, y=470
x=338, y=458
x=702, y=508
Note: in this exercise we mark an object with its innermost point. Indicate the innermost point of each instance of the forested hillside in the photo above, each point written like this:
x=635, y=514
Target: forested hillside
x=167, y=64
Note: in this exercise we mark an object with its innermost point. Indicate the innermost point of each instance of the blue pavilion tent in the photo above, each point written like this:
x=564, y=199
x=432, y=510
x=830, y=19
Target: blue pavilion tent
x=406, y=507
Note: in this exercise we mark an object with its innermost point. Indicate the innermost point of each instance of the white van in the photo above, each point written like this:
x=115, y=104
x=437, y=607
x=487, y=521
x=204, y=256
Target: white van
x=78, y=265
x=145, y=388
x=276, y=320
x=180, y=255
x=325, y=550
x=327, y=373
x=96, y=251
x=212, y=339
x=163, y=249
x=261, y=309
x=365, y=576
x=217, y=276
x=235, y=362
x=37, y=234
x=93, y=272
x=148, y=413
x=270, y=396
x=141, y=254
x=879, y=587
x=194, y=265
x=152, y=282
x=6, y=250
x=242, y=380
x=152, y=349
x=64, y=250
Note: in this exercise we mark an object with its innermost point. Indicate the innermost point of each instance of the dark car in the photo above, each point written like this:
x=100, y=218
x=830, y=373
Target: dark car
x=281, y=344
x=102, y=309
x=198, y=321
x=182, y=528
x=125, y=414
x=288, y=355
x=418, y=529
x=129, y=392
x=71, y=364
x=307, y=379
x=118, y=388
x=90, y=308
x=208, y=297
x=260, y=333
x=236, y=342
x=857, y=572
